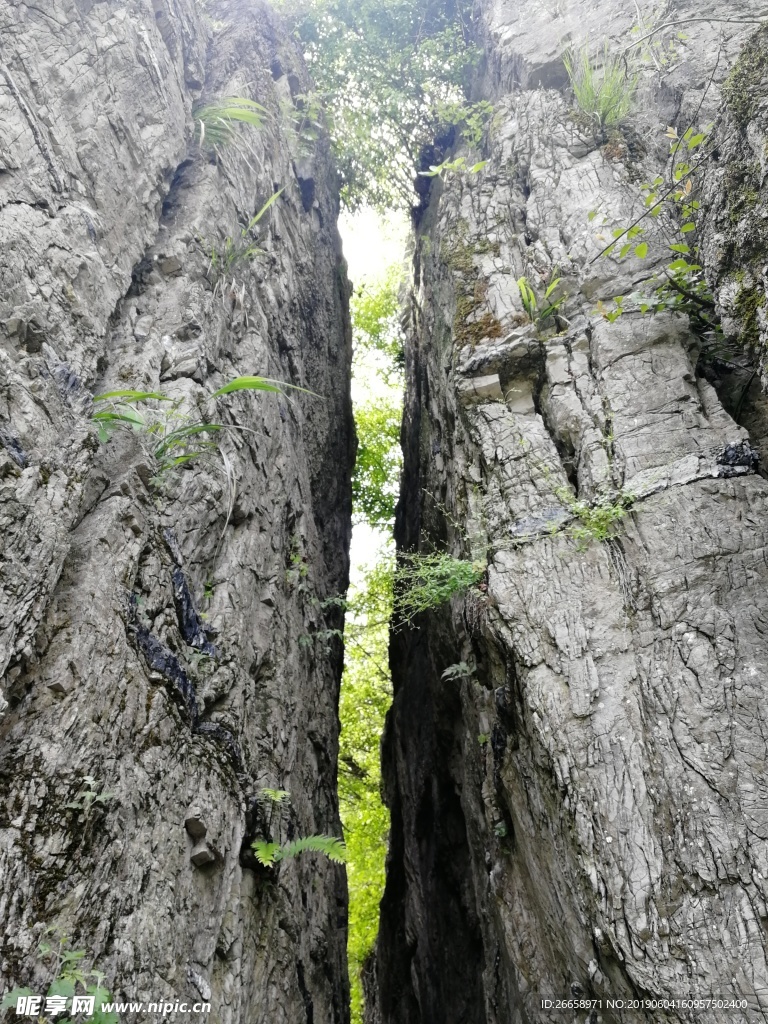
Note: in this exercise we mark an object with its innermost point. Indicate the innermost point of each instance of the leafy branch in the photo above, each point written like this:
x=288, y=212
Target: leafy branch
x=423, y=582
x=681, y=286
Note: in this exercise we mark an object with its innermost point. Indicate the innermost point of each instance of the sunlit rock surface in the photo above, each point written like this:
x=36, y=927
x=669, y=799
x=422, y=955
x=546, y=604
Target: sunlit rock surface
x=585, y=815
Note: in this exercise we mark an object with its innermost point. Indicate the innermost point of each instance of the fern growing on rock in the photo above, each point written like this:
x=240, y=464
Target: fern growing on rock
x=269, y=854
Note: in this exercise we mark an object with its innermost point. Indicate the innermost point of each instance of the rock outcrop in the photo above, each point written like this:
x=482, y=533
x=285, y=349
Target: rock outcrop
x=578, y=810
x=154, y=618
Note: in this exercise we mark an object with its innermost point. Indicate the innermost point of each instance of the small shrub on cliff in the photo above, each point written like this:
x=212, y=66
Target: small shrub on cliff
x=70, y=981
x=679, y=284
x=605, y=93
x=597, y=520
x=422, y=582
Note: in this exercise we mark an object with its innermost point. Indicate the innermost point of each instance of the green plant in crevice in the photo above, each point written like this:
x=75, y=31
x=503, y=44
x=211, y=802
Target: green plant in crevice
x=71, y=981
x=458, y=671
x=604, y=91
x=275, y=796
x=87, y=796
x=297, y=569
x=241, y=248
x=268, y=853
x=597, y=520
x=215, y=122
x=538, y=311
x=321, y=639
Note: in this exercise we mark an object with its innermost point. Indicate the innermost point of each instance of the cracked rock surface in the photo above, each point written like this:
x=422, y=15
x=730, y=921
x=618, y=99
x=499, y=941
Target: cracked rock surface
x=153, y=621
x=582, y=815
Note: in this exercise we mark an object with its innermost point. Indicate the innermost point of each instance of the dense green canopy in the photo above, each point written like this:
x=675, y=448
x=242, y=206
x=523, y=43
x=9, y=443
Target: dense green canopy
x=392, y=75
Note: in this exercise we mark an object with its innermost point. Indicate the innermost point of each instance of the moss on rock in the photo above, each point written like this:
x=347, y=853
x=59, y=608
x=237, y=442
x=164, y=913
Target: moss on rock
x=747, y=304
x=743, y=88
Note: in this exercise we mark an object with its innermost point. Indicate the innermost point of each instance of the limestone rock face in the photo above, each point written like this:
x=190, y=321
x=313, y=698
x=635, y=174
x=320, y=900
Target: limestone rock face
x=157, y=665
x=581, y=814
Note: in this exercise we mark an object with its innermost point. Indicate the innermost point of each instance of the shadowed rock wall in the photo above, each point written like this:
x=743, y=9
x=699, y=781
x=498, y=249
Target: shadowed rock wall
x=582, y=814
x=151, y=624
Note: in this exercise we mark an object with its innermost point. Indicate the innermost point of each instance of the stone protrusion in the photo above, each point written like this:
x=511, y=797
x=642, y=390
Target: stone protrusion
x=195, y=825
x=202, y=854
x=480, y=389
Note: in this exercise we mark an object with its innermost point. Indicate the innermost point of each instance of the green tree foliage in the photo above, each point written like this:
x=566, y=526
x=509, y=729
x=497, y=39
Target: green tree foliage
x=375, y=310
x=366, y=690
x=378, y=362
x=392, y=74
x=366, y=694
x=375, y=481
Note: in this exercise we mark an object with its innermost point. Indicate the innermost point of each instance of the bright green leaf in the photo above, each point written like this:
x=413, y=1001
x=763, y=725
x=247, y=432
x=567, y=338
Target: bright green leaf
x=10, y=998
x=133, y=396
x=249, y=384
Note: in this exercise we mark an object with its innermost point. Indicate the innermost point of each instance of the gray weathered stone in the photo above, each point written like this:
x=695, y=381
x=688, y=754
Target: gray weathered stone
x=142, y=600
x=585, y=816
x=480, y=389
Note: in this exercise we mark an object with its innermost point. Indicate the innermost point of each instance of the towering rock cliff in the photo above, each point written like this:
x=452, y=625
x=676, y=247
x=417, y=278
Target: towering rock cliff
x=578, y=811
x=153, y=670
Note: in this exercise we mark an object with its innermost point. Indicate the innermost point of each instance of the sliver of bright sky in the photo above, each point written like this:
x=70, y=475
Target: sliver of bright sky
x=372, y=243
